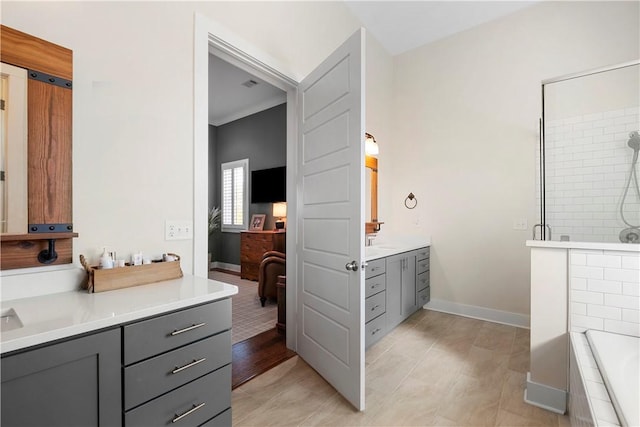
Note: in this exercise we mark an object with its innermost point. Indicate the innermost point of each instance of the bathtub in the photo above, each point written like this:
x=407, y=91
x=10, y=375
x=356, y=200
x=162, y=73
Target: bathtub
x=604, y=379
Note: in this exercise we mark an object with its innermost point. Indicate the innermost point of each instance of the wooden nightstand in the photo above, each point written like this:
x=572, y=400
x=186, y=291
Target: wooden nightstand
x=253, y=244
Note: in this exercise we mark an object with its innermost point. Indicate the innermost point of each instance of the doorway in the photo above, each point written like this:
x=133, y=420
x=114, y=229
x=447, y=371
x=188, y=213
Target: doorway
x=247, y=138
x=335, y=86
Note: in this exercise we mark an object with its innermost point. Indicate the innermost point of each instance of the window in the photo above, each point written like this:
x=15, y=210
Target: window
x=235, y=206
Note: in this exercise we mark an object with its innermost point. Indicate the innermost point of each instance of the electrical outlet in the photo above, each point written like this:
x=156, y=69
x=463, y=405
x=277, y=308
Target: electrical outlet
x=178, y=230
x=520, y=224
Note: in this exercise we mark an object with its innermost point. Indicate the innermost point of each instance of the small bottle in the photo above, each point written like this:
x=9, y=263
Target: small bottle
x=106, y=261
x=136, y=259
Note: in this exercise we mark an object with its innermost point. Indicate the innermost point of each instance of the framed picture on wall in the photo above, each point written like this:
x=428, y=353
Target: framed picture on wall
x=257, y=222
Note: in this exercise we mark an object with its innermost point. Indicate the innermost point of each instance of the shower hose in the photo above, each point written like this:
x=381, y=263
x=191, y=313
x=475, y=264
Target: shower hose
x=632, y=174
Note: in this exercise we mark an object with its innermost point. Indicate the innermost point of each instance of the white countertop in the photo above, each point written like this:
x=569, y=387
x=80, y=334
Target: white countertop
x=396, y=246
x=50, y=317
x=623, y=247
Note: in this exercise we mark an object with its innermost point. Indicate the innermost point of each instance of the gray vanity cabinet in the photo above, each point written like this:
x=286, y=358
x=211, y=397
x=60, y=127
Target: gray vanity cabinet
x=401, y=287
x=423, y=289
x=169, y=369
x=177, y=368
x=375, y=301
x=70, y=383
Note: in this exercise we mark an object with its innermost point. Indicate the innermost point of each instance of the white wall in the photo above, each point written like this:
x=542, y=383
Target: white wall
x=465, y=137
x=133, y=101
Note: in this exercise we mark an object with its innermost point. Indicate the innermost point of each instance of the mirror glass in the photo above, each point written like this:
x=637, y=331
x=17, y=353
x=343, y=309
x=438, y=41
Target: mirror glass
x=13, y=149
x=371, y=189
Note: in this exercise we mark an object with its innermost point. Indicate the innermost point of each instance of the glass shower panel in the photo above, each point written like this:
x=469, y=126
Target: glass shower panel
x=590, y=157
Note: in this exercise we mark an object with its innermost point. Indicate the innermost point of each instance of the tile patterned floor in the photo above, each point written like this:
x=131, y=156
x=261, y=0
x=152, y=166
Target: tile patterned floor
x=434, y=369
x=249, y=318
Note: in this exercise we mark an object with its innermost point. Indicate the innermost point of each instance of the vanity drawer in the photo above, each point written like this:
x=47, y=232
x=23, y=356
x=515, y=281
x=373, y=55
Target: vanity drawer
x=197, y=402
x=374, y=330
x=422, y=253
x=422, y=280
x=220, y=420
x=154, y=336
x=375, y=267
x=424, y=296
x=374, y=285
x=150, y=378
x=422, y=265
x=374, y=306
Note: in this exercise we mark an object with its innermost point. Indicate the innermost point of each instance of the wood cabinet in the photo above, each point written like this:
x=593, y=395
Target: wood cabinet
x=170, y=368
x=253, y=245
x=71, y=383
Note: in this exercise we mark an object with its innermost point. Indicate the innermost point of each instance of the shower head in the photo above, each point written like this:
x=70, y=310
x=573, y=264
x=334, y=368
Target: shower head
x=634, y=141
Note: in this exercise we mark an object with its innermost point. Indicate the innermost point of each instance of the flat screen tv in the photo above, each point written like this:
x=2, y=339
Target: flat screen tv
x=269, y=185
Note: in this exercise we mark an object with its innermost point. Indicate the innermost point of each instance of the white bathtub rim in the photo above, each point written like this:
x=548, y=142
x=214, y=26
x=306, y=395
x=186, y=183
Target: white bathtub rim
x=624, y=404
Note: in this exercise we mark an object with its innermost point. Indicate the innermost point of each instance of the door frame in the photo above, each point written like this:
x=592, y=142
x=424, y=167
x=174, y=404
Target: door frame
x=212, y=37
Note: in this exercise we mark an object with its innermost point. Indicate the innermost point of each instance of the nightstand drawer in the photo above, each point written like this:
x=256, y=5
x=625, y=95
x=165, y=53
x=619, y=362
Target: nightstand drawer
x=153, y=377
x=374, y=306
x=374, y=285
x=154, y=336
x=191, y=405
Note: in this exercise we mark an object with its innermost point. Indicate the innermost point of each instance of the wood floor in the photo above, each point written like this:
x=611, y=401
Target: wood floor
x=257, y=355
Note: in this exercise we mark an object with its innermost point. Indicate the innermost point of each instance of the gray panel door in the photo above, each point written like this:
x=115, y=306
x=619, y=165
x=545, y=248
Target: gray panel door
x=73, y=383
x=330, y=318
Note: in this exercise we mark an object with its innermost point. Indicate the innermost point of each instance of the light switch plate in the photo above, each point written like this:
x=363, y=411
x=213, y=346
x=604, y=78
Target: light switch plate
x=178, y=230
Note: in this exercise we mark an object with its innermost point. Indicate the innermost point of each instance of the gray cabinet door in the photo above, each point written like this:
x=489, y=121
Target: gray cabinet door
x=401, y=288
x=72, y=383
x=409, y=303
x=394, y=268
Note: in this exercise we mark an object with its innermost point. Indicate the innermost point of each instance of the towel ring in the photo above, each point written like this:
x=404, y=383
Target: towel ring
x=411, y=198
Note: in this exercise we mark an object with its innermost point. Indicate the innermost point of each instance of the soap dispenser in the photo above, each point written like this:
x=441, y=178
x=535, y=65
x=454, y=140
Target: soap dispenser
x=105, y=260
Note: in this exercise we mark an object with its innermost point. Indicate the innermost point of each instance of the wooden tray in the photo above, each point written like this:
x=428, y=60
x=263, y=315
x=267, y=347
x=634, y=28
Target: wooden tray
x=100, y=280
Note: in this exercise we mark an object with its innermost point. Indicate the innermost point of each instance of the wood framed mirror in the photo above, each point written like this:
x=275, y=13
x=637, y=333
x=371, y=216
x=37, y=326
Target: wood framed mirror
x=45, y=236
x=372, y=225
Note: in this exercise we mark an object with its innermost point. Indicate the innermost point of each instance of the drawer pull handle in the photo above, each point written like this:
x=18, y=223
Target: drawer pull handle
x=374, y=307
x=190, y=328
x=188, y=365
x=375, y=331
x=189, y=412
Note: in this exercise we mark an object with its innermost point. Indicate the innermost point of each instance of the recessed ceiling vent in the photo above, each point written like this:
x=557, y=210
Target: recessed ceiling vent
x=250, y=83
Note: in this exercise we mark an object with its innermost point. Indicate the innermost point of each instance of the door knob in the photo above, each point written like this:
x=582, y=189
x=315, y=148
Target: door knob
x=351, y=266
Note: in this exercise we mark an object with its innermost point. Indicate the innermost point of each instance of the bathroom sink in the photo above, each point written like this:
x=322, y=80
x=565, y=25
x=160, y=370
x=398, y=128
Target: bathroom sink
x=9, y=320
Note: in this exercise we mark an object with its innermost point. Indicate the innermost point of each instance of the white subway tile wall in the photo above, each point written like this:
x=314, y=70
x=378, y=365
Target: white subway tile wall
x=587, y=163
x=605, y=291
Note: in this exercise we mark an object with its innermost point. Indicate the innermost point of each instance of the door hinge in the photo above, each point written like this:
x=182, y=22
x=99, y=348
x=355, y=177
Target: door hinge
x=2, y=176
x=2, y=104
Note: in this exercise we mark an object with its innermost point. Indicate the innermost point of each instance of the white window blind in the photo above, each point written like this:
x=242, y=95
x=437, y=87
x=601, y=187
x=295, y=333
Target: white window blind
x=234, y=195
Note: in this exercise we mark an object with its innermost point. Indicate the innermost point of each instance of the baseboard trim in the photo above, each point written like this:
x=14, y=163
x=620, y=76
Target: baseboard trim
x=224, y=266
x=481, y=313
x=545, y=397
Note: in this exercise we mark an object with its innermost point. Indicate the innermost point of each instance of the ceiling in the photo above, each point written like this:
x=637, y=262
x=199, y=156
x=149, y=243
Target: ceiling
x=404, y=25
x=398, y=25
